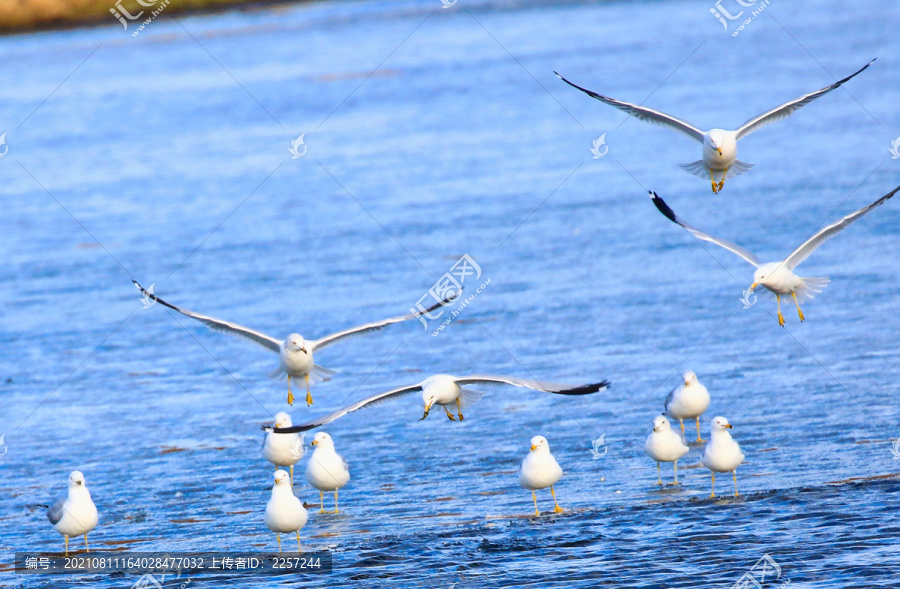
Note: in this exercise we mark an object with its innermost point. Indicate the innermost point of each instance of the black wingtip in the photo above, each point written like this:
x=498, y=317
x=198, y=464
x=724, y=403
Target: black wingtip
x=663, y=207
x=586, y=389
x=293, y=429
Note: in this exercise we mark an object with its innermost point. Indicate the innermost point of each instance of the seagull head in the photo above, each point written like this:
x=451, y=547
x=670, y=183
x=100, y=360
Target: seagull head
x=296, y=343
x=282, y=419
x=428, y=398
x=324, y=440
x=716, y=139
x=719, y=424
x=282, y=478
x=76, y=479
x=690, y=377
x=540, y=444
x=765, y=273
x=661, y=424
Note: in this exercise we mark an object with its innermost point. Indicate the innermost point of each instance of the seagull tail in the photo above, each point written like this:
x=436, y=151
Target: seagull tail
x=738, y=168
x=697, y=168
x=811, y=287
x=321, y=374
x=468, y=397
x=278, y=374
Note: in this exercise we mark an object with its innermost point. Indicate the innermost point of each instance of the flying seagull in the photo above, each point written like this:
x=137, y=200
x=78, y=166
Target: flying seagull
x=446, y=390
x=295, y=354
x=719, y=145
x=779, y=277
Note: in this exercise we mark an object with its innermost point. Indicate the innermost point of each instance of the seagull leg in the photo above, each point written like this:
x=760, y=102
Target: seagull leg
x=308, y=395
x=734, y=474
x=699, y=439
x=277, y=535
x=681, y=421
x=780, y=316
x=713, y=494
x=292, y=475
x=799, y=312
x=290, y=398
x=86, y=549
x=67, y=544
x=450, y=415
x=459, y=409
x=676, y=472
x=321, y=502
x=712, y=179
x=335, y=501
x=299, y=550
x=722, y=183
x=658, y=479
x=556, y=509
x=533, y=496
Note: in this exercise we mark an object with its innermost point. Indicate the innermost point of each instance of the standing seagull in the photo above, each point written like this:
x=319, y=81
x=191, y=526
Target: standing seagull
x=326, y=470
x=283, y=449
x=719, y=145
x=664, y=445
x=779, y=277
x=75, y=514
x=722, y=454
x=446, y=391
x=295, y=354
x=284, y=512
x=540, y=470
x=688, y=401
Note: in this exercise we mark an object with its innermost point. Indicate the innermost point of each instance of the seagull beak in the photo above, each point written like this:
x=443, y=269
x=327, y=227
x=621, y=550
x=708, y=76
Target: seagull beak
x=315, y=443
x=754, y=285
x=533, y=447
x=427, y=409
x=303, y=350
x=719, y=149
x=729, y=426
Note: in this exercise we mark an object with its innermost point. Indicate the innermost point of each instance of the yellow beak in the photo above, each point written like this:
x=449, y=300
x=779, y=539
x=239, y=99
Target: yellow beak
x=315, y=443
x=427, y=409
x=533, y=448
x=754, y=285
x=729, y=426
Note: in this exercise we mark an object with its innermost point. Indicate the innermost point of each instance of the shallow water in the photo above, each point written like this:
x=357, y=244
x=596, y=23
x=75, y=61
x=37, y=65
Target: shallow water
x=165, y=158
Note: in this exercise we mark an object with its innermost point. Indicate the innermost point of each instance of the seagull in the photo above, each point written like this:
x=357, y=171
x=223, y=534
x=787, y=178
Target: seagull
x=295, y=354
x=75, y=514
x=284, y=512
x=688, y=400
x=719, y=145
x=540, y=470
x=283, y=449
x=779, y=277
x=326, y=470
x=446, y=391
x=664, y=445
x=722, y=454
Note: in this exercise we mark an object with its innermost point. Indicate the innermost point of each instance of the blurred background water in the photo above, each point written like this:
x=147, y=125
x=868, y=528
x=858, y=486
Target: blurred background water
x=433, y=133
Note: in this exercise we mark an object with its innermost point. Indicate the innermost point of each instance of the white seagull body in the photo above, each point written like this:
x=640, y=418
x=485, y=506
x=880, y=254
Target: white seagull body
x=719, y=155
x=664, y=445
x=283, y=449
x=540, y=470
x=295, y=354
x=75, y=514
x=722, y=454
x=446, y=391
x=326, y=470
x=779, y=277
x=284, y=512
x=688, y=401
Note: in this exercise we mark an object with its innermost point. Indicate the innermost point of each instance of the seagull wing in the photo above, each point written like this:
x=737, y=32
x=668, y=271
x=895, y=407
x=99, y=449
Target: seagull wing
x=55, y=511
x=671, y=216
x=220, y=325
x=788, y=108
x=644, y=113
x=810, y=245
x=547, y=387
x=374, y=326
x=367, y=402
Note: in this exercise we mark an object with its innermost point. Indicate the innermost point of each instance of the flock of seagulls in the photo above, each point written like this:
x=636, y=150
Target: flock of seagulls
x=327, y=471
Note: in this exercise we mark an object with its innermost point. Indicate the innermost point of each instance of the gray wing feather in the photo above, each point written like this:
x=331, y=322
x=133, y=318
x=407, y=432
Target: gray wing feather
x=55, y=511
x=546, y=387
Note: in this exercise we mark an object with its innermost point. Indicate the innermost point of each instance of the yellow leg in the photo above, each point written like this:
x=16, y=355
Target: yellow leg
x=450, y=415
x=712, y=179
x=734, y=474
x=67, y=544
x=780, y=316
x=713, y=494
x=308, y=394
x=335, y=501
x=658, y=478
x=86, y=549
x=699, y=439
x=459, y=409
x=299, y=550
x=799, y=312
x=292, y=475
x=557, y=509
x=722, y=183
x=279, y=542
x=290, y=398
x=533, y=496
x=681, y=421
x=321, y=502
